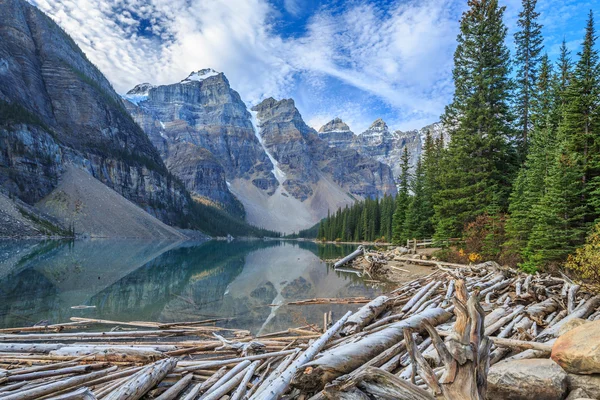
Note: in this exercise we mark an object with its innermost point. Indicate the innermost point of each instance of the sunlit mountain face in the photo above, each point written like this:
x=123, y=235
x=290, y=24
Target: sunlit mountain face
x=359, y=60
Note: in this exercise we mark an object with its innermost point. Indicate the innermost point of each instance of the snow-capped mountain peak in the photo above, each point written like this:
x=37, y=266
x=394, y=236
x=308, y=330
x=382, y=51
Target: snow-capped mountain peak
x=139, y=93
x=200, y=75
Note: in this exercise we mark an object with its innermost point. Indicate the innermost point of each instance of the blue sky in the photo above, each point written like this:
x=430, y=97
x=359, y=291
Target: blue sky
x=357, y=59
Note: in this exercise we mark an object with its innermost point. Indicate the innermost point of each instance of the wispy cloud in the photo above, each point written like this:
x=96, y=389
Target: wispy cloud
x=358, y=59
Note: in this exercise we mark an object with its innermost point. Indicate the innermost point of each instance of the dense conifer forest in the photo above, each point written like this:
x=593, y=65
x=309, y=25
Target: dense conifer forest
x=518, y=178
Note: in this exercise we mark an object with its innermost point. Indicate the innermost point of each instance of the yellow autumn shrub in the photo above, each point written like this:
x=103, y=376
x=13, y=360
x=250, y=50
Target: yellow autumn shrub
x=586, y=260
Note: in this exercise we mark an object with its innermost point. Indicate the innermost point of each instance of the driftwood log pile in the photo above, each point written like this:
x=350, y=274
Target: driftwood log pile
x=433, y=337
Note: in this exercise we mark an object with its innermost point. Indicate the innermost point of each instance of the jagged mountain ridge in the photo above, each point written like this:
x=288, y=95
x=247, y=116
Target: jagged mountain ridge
x=380, y=142
x=58, y=110
x=279, y=168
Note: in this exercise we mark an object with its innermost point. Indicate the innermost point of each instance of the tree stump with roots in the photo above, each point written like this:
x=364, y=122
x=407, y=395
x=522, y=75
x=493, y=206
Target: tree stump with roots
x=464, y=354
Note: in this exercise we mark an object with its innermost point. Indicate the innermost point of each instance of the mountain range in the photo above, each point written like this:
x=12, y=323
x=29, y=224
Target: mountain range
x=170, y=149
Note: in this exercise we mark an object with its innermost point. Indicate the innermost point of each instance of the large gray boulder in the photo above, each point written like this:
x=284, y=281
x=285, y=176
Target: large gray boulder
x=590, y=384
x=540, y=379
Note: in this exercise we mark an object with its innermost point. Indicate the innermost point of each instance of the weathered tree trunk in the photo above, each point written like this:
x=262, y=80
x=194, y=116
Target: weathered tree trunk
x=142, y=382
x=365, y=315
x=358, y=252
x=346, y=358
x=374, y=383
x=465, y=354
x=281, y=384
x=177, y=388
x=40, y=391
x=79, y=394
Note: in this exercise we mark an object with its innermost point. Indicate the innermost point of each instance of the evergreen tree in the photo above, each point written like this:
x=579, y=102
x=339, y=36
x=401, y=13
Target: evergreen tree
x=557, y=230
x=417, y=220
x=528, y=42
x=582, y=117
x=402, y=201
x=478, y=164
x=529, y=185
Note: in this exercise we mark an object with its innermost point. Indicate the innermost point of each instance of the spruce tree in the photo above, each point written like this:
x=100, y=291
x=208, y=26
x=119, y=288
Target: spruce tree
x=582, y=117
x=529, y=185
x=402, y=201
x=528, y=41
x=558, y=229
x=417, y=220
x=479, y=162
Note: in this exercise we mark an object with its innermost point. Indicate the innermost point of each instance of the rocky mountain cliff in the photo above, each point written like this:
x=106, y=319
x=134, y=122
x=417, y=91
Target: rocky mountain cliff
x=279, y=168
x=203, y=112
x=379, y=142
x=57, y=110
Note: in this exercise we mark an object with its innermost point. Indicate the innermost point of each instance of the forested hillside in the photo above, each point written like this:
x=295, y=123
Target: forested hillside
x=518, y=178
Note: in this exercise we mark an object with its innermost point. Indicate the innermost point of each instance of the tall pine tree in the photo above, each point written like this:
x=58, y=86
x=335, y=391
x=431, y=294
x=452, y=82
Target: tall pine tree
x=418, y=218
x=479, y=163
x=529, y=186
x=528, y=41
x=402, y=201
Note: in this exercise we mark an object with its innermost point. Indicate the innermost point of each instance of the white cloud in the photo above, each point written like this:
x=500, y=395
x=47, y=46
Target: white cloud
x=355, y=63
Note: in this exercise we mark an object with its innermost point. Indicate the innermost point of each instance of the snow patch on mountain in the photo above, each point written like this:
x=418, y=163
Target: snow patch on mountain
x=139, y=93
x=279, y=174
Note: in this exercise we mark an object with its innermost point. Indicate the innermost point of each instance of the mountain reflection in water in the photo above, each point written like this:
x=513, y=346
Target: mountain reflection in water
x=130, y=280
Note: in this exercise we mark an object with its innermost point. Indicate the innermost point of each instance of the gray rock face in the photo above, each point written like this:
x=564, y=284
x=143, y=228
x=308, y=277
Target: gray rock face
x=337, y=134
x=61, y=110
x=273, y=160
x=204, y=111
x=540, y=379
x=201, y=174
x=379, y=143
x=590, y=384
x=304, y=157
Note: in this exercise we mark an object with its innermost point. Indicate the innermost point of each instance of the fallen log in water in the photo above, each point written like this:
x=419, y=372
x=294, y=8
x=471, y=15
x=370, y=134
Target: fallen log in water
x=358, y=252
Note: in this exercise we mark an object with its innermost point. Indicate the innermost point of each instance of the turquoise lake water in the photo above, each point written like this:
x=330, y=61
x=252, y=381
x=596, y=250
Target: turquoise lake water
x=130, y=280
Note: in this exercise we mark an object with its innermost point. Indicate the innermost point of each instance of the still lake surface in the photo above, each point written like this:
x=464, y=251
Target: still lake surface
x=131, y=280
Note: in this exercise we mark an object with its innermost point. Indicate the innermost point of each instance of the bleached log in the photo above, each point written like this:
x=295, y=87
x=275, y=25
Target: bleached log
x=358, y=252
x=573, y=289
x=347, y=357
x=92, y=335
x=29, y=347
x=226, y=386
x=37, y=392
x=206, y=385
x=276, y=372
x=537, y=311
x=417, y=296
x=177, y=388
x=112, y=353
x=424, y=298
x=449, y=293
x=495, y=315
x=231, y=374
x=502, y=321
x=242, y=387
x=281, y=384
x=61, y=371
x=377, y=384
x=136, y=387
x=365, y=315
x=219, y=363
x=79, y=394
x=582, y=312
x=108, y=322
